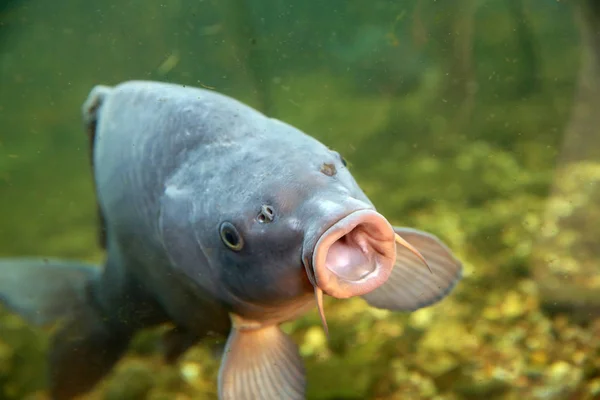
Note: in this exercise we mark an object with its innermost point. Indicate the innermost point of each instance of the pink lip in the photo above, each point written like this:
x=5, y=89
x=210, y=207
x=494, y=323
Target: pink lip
x=355, y=255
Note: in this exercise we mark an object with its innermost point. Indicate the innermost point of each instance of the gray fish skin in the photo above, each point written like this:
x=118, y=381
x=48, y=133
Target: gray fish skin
x=223, y=221
x=180, y=161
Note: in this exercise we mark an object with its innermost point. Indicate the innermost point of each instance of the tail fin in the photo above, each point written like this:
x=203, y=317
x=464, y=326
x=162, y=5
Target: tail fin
x=87, y=344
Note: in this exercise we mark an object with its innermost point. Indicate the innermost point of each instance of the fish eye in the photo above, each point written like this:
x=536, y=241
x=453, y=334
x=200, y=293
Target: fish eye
x=342, y=159
x=266, y=214
x=231, y=237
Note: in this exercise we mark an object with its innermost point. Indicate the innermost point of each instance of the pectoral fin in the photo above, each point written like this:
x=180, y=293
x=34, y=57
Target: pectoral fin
x=411, y=285
x=86, y=344
x=262, y=363
x=44, y=290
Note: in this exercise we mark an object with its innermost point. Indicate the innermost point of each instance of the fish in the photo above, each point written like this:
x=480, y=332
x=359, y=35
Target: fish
x=215, y=219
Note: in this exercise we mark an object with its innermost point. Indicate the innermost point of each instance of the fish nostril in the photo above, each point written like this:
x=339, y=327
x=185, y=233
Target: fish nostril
x=266, y=215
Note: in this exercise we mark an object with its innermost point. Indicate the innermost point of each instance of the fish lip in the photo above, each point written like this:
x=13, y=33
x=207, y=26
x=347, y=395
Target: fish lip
x=382, y=244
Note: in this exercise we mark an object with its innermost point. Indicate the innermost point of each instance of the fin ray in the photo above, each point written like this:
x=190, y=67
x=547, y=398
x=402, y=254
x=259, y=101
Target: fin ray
x=261, y=363
x=410, y=286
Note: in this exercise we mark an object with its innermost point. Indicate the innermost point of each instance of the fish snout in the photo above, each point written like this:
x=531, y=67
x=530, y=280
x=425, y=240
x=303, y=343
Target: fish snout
x=355, y=255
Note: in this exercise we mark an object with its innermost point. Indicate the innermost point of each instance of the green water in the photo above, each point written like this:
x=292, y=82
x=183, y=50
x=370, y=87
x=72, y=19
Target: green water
x=474, y=120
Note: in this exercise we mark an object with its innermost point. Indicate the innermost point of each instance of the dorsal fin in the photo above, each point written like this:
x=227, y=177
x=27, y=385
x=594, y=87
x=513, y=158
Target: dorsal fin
x=90, y=109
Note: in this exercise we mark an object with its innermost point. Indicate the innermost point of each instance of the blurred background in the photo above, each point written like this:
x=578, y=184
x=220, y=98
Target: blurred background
x=475, y=120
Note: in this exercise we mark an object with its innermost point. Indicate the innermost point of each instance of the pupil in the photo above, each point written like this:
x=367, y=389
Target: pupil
x=230, y=237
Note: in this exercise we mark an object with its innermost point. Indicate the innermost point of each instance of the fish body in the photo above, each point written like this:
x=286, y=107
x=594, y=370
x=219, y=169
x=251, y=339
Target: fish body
x=219, y=220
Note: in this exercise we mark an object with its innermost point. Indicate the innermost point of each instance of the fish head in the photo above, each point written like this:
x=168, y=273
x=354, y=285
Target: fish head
x=289, y=223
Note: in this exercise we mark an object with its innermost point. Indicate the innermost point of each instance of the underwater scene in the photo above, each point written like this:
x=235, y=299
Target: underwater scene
x=159, y=240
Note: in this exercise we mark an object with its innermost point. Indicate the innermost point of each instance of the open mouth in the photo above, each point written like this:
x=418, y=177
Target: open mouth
x=353, y=257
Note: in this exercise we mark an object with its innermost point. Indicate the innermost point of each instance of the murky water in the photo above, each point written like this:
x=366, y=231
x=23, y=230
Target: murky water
x=473, y=120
